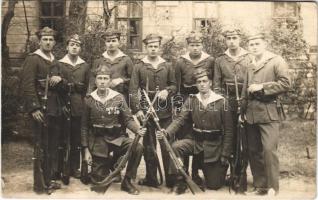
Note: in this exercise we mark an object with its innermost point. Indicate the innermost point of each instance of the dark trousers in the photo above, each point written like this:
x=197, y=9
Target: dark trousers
x=150, y=144
x=262, y=141
x=214, y=172
x=101, y=166
x=49, y=145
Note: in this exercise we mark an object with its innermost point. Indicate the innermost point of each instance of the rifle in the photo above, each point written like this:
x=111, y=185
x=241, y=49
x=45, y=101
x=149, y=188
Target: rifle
x=40, y=159
x=194, y=188
x=103, y=185
x=85, y=176
x=238, y=168
x=150, y=141
x=67, y=139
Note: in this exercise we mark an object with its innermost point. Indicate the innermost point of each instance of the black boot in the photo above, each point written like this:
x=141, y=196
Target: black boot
x=149, y=183
x=199, y=181
x=180, y=187
x=127, y=186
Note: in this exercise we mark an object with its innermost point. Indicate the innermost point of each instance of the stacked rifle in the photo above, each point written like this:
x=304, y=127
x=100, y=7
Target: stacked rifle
x=240, y=160
x=104, y=184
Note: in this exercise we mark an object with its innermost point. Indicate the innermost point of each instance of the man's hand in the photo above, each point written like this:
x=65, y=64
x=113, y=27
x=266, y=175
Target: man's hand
x=38, y=116
x=224, y=161
x=142, y=132
x=116, y=82
x=66, y=111
x=88, y=156
x=242, y=118
x=54, y=80
x=159, y=134
x=255, y=87
x=140, y=115
x=163, y=94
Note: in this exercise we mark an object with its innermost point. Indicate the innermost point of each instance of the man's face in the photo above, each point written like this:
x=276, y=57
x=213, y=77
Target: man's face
x=112, y=44
x=232, y=41
x=153, y=49
x=47, y=43
x=102, y=82
x=195, y=48
x=203, y=84
x=257, y=46
x=73, y=48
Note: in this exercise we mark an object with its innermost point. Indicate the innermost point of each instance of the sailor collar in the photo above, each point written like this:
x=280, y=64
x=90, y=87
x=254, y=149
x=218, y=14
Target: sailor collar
x=67, y=60
x=266, y=56
x=45, y=57
x=118, y=55
x=203, y=57
x=212, y=98
x=242, y=52
x=147, y=61
x=111, y=94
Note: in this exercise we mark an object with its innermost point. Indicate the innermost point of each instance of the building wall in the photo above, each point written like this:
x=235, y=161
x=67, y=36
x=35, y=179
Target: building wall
x=17, y=33
x=309, y=15
x=167, y=18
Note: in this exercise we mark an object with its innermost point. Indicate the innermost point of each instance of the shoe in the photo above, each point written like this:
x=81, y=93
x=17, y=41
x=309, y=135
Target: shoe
x=179, y=188
x=169, y=182
x=271, y=192
x=146, y=182
x=127, y=186
x=76, y=174
x=197, y=179
x=65, y=180
x=258, y=192
x=117, y=178
x=54, y=185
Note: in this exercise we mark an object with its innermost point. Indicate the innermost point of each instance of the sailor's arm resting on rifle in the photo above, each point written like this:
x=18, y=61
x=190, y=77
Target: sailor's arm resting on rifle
x=178, y=122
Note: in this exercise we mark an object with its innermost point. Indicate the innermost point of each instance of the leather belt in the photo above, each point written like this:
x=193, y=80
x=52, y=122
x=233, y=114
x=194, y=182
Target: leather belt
x=103, y=130
x=201, y=135
x=206, y=131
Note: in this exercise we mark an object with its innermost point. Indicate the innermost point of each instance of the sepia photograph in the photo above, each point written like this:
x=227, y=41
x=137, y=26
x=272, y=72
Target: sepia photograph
x=117, y=99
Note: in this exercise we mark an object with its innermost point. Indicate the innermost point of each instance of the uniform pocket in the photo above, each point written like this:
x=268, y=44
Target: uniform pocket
x=272, y=112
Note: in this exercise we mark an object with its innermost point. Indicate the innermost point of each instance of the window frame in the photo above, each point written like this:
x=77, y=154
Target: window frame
x=207, y=19
x=297, y=15
x=52, y=17
x=128, y=20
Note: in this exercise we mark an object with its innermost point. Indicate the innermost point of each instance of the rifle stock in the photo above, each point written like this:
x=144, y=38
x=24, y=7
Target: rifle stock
x=194, y=188
x=66, y=167
x=238, y=171
x=85, y=178
x=41, y=159
x=103, y=185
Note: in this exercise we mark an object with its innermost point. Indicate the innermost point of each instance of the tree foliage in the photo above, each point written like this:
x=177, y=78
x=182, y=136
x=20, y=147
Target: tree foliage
x=286, y=39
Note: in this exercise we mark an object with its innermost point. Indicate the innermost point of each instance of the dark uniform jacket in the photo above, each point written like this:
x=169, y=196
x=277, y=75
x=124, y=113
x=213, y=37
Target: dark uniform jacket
x=214, y=117
x=185, y=69
x=162, y=78
x=225, y=67
x=272, y=72
x=102, y=122
x=35, y=69
x=78, y=76
x=120, y=67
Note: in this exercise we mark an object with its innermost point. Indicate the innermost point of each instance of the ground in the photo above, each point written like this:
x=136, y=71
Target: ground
x=297, y=152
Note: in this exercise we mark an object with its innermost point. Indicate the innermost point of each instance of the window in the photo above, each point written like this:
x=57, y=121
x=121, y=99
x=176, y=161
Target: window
x=129, y=21
x=286, y=10
x=52, y=14
x=204, y=12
